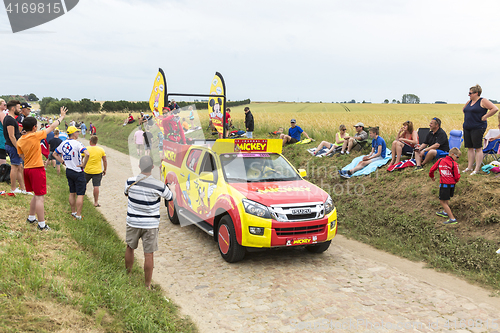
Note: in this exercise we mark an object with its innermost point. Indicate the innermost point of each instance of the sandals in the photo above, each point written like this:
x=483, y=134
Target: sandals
x=466, y=170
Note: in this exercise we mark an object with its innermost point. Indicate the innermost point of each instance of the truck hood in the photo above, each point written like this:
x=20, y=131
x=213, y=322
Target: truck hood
x=276, y=193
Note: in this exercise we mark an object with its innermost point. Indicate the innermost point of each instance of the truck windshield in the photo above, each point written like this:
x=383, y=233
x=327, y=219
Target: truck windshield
x=258, y=167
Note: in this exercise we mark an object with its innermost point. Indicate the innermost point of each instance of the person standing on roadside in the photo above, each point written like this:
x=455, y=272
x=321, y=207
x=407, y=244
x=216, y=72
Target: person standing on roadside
x=94, y=169
x=249, y=122
x=28, y=147
x=144, y=194
x=12, y=134
x=139, y=141
x=83, y=129
x=53, y=144
x=476, y=111
x=25, y=112
x=3, y=153
x=69, y=153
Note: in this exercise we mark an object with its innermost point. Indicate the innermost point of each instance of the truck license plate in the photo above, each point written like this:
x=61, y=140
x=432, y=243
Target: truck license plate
x=301, y=211
x=299, y=241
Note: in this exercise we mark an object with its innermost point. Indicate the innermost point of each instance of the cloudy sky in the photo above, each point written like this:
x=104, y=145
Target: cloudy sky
x=288, y=50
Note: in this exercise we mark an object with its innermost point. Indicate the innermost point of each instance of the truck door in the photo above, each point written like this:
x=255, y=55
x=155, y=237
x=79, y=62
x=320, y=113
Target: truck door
x=208, y=185
x=188, y=176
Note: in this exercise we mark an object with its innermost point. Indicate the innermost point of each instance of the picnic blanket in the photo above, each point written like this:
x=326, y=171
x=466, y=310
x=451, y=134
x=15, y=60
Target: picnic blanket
x=402, y=165
x=370, y=167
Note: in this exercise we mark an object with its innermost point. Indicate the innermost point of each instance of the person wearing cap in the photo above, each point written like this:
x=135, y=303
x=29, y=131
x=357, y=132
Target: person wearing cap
x=294, y=133
x=28, y=147
x=129, y=120
x=69, y=153
x=144, y=194
x=350, y=142
x=249, y=124
x=25, y=112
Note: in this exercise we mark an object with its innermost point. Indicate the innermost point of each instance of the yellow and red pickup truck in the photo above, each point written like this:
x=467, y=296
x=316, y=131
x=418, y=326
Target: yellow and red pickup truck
x=245, y=194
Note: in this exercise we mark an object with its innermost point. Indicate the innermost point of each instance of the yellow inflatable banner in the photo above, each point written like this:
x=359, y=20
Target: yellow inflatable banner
x=216, y=105
x=157, y=99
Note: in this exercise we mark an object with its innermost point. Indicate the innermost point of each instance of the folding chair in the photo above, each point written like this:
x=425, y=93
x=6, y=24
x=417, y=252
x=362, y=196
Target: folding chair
x=492, y=133
x=455, y=140
x=422, y=134
x=491, y=150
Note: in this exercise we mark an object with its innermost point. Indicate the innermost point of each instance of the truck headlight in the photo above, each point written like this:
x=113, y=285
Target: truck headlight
x=255, y=208
x=328, y=205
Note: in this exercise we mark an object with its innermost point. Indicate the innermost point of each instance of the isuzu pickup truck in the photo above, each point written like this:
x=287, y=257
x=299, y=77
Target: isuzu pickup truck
x=246, y=195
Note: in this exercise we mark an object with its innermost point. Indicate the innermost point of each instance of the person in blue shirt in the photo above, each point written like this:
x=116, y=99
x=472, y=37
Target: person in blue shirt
x=294, y=133
x=377, y=153
x=83, y=128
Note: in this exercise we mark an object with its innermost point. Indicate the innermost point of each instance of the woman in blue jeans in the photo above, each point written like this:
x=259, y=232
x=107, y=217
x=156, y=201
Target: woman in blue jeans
x=476, y=111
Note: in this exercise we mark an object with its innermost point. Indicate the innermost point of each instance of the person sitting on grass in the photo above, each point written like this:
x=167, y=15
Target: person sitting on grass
x=435, y=145
x=129, y=120
x=449, y=177
x=351, y=142
x=406, y=140
x=377, y=153
x=339, y=141
x=294, y=133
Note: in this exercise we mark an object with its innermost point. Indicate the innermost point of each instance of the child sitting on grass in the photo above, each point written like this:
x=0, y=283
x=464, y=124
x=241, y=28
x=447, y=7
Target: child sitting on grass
x=449, y=176
x=378, y=152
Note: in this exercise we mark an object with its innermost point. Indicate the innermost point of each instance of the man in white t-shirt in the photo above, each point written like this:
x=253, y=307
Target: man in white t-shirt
x=69, y=153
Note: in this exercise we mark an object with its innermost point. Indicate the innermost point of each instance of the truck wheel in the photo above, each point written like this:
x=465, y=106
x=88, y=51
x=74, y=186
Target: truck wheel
x=172, y=211
x=318, y=248
x=229, y=248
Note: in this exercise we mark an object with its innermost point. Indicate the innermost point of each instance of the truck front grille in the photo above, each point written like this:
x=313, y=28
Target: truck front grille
x=312, y=229
x=298, y=212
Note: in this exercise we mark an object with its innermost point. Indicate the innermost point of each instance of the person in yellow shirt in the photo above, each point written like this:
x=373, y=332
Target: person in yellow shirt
x=94, y=168
x=28, y=148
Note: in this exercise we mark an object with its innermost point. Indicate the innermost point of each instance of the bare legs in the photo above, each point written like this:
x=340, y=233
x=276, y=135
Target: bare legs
x=474, y=155
x=397, y=150
x=148, y=265
x=76, y=203
x=447, y=208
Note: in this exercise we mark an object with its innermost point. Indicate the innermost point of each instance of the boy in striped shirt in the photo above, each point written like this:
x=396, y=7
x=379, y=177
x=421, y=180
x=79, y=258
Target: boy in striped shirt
x=144, y=194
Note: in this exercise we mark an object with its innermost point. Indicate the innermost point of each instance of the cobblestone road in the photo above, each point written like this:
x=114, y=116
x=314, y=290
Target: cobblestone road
x=351, y=287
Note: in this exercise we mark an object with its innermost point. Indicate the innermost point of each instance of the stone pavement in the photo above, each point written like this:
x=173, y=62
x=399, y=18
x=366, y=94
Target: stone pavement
x=291, y=290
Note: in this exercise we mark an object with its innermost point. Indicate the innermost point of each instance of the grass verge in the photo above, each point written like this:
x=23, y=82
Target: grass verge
x=73, y=277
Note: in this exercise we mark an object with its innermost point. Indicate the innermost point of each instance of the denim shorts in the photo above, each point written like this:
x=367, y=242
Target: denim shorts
x=15, y=159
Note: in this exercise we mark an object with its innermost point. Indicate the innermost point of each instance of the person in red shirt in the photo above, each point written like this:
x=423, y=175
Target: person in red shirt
x=28, y=147
x=449, y=176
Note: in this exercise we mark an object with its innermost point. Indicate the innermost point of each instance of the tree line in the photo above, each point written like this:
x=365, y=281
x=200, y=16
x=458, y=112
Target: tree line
x=51, y=105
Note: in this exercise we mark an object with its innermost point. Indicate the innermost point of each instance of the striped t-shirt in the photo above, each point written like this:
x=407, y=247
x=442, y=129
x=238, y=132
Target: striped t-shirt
x=144, y=199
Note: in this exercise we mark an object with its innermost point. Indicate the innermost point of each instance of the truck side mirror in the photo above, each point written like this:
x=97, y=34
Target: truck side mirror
x=207, y=177
x=302, y=173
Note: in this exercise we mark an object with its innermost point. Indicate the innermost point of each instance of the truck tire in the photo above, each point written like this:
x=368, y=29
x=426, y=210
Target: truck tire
x=318, y=248
x=172, y=211
x=229, y=248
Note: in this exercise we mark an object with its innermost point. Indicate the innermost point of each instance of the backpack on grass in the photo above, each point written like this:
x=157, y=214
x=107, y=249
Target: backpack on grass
x=5, y=173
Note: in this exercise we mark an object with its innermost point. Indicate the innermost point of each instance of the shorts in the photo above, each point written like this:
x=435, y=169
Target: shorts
x=149, y=238
x=147, y=147
x=407, y=149
x=76, y=182
x=3, y=154
x=139, y=146
x=83, y=131
x=249, y=135
x=15, y=159
x=439, y=154
x=52, y=158
x=446, y=191
x=35, y=180
x=376, y=159
x=292, y=140
x=96, y=178
x=473, y=138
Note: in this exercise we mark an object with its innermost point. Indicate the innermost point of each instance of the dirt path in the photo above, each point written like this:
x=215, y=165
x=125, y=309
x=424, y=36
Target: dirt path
x=351, y=287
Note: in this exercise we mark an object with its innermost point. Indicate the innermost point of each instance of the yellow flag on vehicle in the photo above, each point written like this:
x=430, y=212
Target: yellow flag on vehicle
x=157, y=99
x=217, y=105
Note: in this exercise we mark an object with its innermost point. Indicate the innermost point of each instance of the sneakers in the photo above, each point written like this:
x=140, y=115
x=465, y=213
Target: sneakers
x=344, y=174
x=442, y=214
x=25, y=192
x=450, y=221
x=17, y=191
x=31, y=222
x=342, y=152
x=46, y=228
x=74, y=215
x=419, y=168
x=347, y=152
x=473, y=173
x=466, y=170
